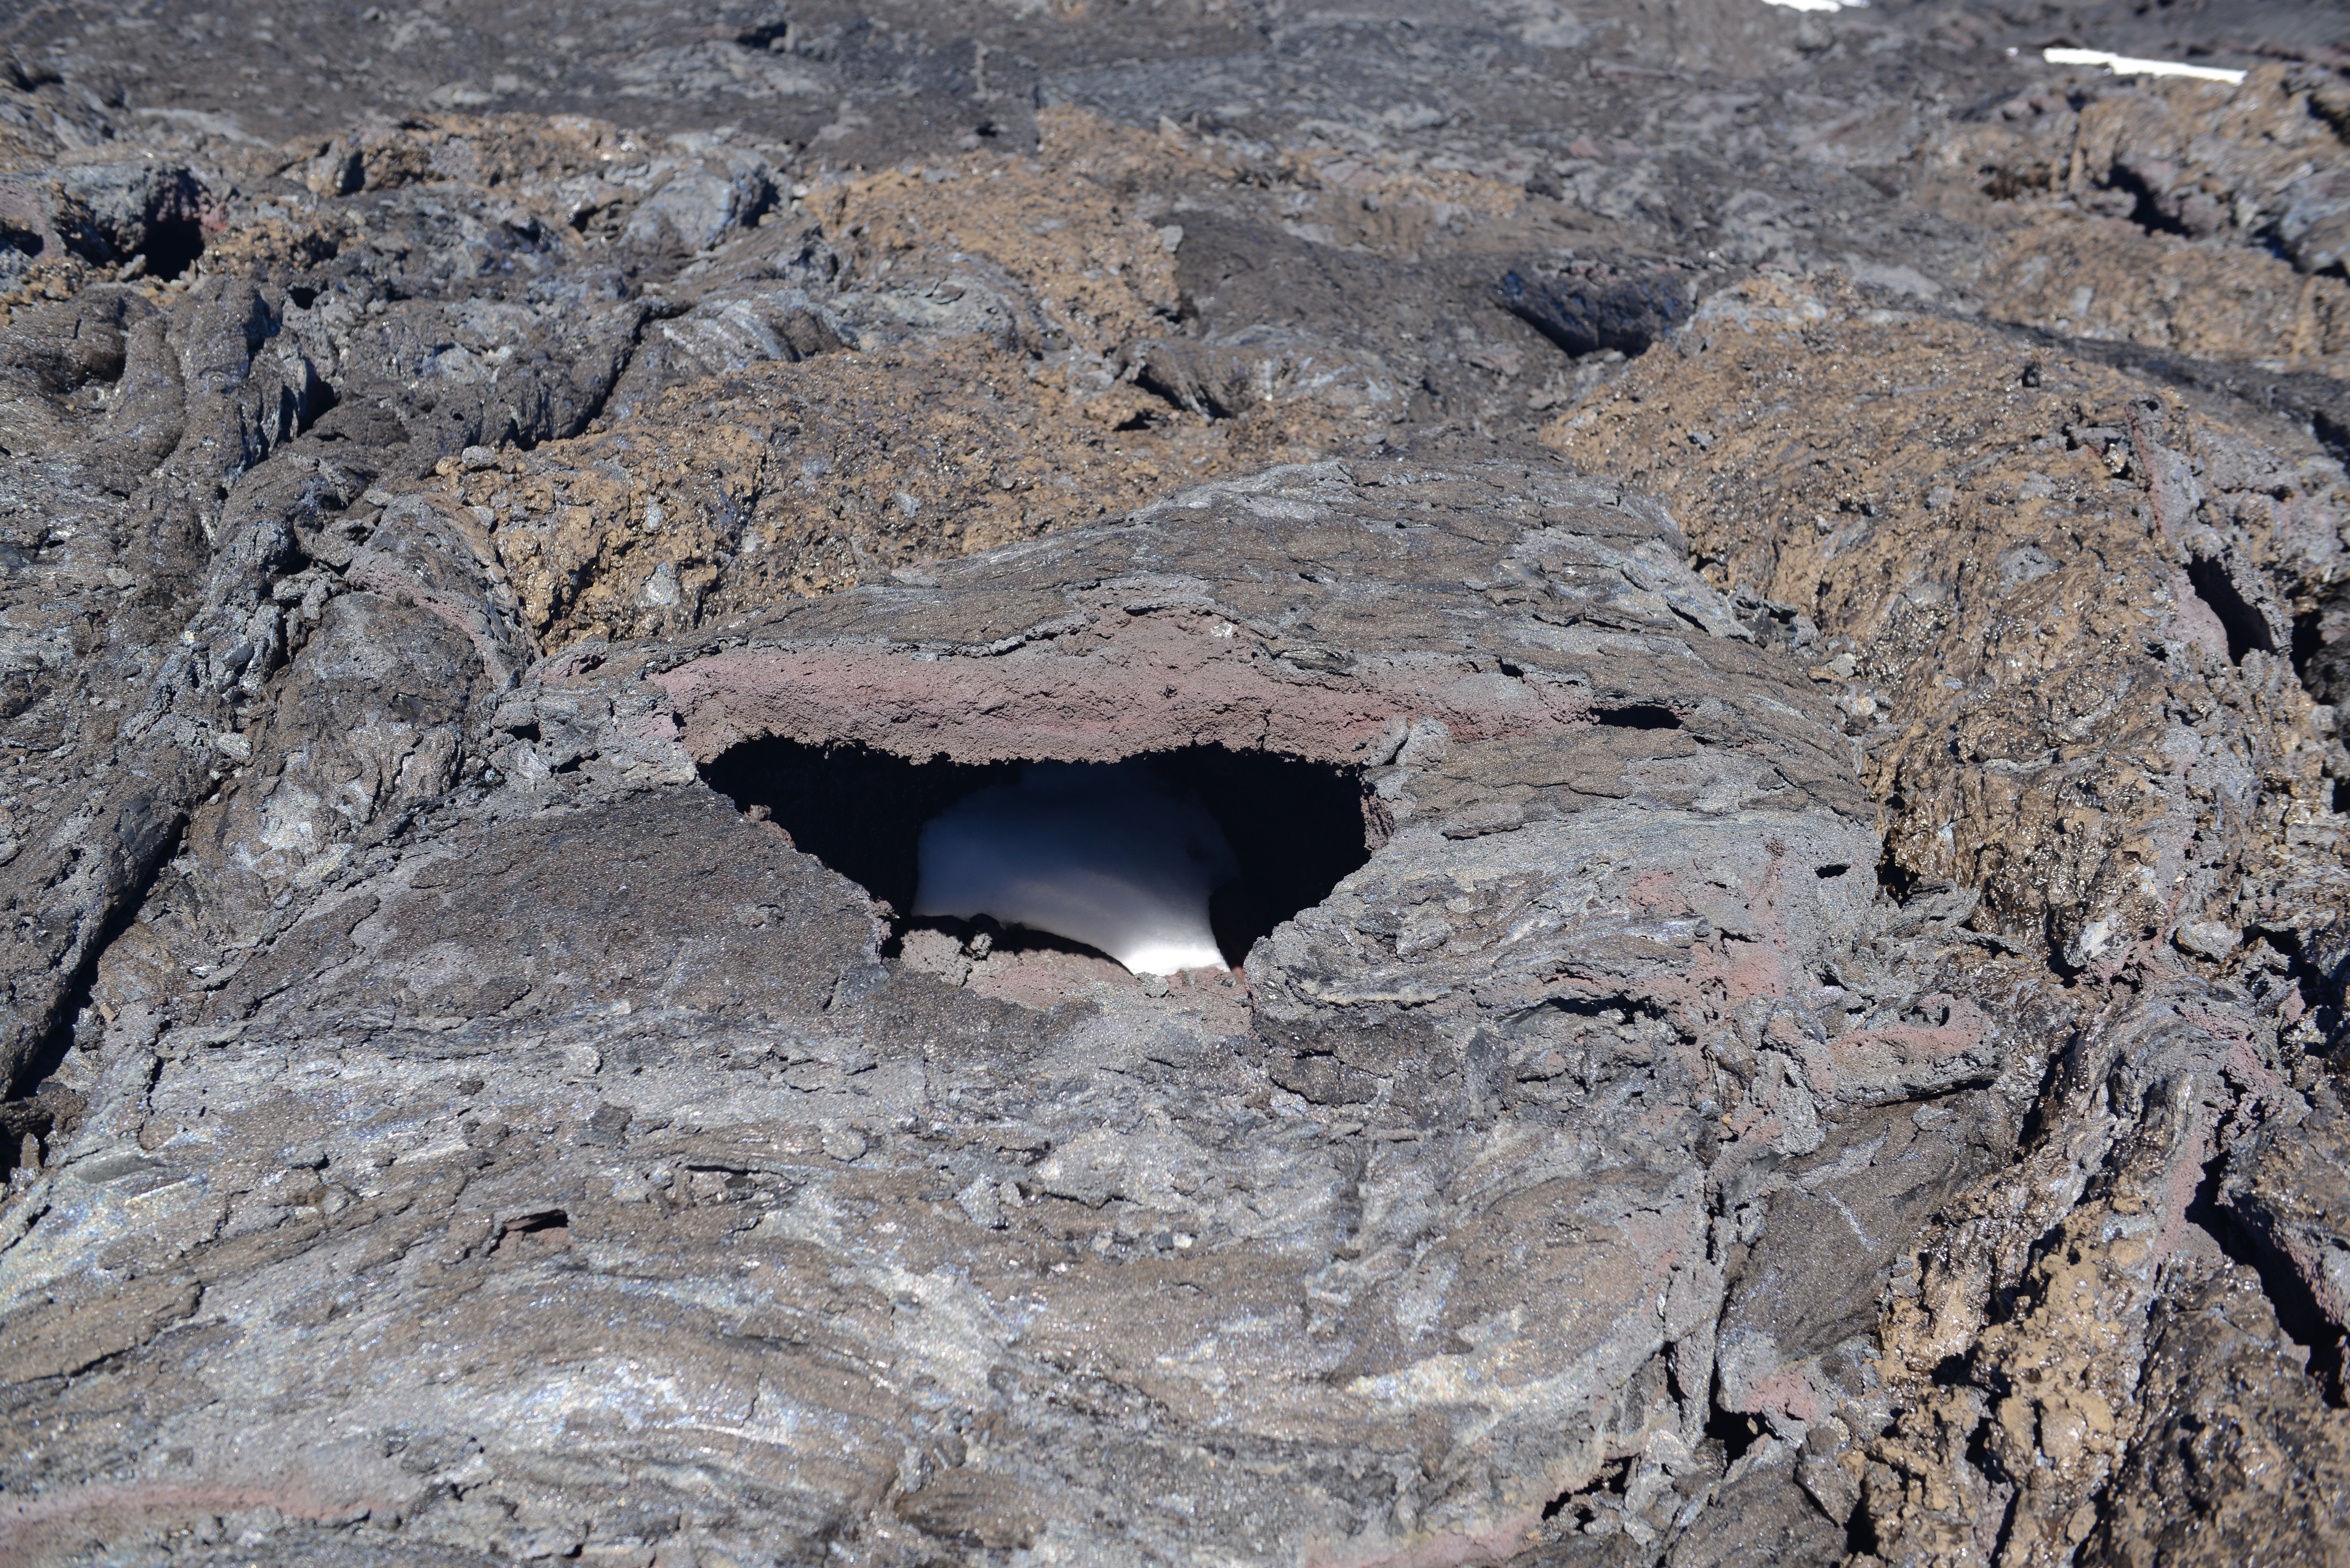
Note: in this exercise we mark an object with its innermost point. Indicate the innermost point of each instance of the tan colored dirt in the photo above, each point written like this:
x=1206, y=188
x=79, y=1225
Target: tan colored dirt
x=802, y=479
x=1969, y=522
x=2107, y=278
x=2152, y=213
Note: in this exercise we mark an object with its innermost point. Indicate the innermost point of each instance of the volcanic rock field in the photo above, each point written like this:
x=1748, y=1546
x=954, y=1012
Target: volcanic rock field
x=1744, y=604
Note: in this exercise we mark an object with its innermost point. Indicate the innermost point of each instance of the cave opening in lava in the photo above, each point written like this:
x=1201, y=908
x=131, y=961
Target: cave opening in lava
x=1262, y=836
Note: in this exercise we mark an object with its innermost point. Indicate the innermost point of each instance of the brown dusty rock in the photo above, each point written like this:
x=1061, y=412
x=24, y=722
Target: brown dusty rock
x=2257, y=1466
x=2193, y=216
x=1100, y=275
x=1964, y=539
x=2107, y=278
x=804, y=478
x=1992, y=539
x=2287, y=1187
x=2197, y=158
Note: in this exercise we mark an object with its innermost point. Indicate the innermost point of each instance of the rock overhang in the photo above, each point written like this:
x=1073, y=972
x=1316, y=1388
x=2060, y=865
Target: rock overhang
x=1444, y=1193
x=1493, y=650
x=1615, y=836
x=1303, y=612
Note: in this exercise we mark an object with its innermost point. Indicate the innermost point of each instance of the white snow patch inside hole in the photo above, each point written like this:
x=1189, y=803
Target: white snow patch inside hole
x=1293, y=828
x=1101, y=853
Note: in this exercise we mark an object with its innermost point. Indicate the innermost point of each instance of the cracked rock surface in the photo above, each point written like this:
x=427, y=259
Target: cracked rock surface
x=1759, y=594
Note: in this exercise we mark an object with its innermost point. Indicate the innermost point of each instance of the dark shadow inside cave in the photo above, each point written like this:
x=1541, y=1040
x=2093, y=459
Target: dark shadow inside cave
x=1295, y=827
x=173, y=245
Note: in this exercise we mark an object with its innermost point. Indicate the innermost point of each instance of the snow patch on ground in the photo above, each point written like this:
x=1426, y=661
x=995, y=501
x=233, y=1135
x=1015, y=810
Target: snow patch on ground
x=2120, y=65
x=1103, y=854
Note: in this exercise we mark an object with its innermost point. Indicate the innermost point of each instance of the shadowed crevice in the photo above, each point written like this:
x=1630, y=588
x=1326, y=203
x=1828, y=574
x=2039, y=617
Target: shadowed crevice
x=1295, y=827
x=2247, y=628
x=2289, y=1297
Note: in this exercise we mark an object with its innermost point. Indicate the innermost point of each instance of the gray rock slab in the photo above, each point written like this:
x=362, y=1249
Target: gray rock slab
x=588, y=1125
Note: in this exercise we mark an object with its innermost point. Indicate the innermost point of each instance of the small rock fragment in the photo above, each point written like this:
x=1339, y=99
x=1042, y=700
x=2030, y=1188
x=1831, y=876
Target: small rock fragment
x=982, y=1202
x=2208, y=939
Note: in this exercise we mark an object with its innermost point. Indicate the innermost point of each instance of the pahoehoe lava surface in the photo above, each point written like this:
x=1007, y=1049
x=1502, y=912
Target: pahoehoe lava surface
x=1759, y=597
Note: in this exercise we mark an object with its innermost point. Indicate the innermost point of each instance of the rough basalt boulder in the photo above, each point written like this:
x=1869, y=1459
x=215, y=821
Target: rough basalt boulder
x=599, y=1120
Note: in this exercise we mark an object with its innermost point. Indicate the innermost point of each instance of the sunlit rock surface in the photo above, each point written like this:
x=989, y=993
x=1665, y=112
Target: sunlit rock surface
x=1780, y=576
